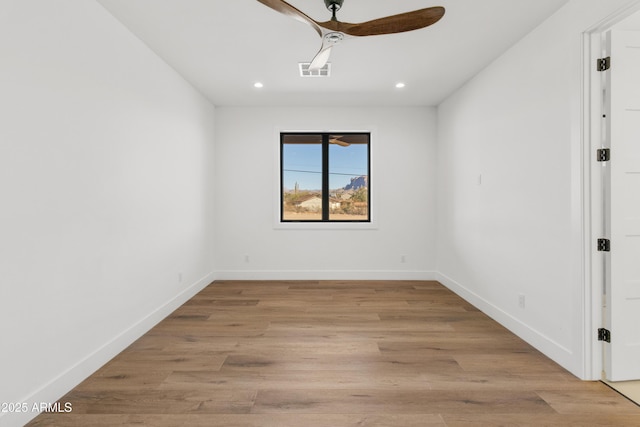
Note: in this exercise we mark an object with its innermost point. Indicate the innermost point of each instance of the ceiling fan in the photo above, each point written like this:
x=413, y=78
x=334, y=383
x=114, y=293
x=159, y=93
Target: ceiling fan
x=333, y=31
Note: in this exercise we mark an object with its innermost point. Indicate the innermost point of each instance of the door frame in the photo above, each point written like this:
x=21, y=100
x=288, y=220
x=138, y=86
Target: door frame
x=593, y=47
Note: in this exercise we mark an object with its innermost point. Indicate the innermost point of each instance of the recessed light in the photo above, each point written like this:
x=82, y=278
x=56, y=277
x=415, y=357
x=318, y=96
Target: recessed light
x=258, y=85
x=400, y=85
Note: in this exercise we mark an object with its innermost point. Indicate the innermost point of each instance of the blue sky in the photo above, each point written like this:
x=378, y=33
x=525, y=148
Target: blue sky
x=303, y=164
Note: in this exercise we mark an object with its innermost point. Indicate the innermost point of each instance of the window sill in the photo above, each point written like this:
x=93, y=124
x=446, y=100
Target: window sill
x=302, y=225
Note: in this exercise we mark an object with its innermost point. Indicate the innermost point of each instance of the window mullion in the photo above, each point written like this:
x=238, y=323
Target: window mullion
x=325, y=177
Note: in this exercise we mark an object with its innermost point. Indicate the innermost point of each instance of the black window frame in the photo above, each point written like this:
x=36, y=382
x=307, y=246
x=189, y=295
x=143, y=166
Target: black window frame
x=326, y=193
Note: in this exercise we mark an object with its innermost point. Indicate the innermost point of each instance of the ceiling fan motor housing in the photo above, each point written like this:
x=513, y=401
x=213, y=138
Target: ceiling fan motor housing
x=334, y=37
x=333, y=4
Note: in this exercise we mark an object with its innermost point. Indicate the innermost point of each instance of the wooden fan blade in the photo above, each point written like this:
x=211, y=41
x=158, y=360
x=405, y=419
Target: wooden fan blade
x=339, y=142
x=321, y=58
x=400, y=23
x=288, y=10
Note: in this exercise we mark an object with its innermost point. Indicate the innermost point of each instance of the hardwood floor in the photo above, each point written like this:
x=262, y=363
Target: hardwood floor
x=330, y=353
x=629, y=389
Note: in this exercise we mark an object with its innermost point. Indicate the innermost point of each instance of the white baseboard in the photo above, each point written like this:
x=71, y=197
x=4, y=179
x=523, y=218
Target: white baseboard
x=553, y=350
x=67, y=380
x=324, y=275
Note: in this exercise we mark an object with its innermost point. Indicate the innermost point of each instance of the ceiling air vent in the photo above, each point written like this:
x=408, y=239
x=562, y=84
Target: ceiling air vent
x=322, y=72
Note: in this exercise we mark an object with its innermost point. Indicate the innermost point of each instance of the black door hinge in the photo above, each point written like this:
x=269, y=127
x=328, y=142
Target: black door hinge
x=604, y=245
x=603, y=155
x=603, y=64
x=604, y=335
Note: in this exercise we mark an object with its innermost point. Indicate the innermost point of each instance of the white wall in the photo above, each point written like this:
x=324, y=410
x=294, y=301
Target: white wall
x=518, y=231
x=106, y=200
x=402, y=195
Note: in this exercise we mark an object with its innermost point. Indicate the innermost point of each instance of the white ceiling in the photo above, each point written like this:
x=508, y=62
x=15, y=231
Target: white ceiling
x=223, y=46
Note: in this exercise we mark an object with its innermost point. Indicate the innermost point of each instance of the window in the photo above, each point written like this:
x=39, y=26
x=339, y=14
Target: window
x=324, y=177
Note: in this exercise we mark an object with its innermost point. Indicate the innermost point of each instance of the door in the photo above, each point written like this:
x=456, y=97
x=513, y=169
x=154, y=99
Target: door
x=622, y=299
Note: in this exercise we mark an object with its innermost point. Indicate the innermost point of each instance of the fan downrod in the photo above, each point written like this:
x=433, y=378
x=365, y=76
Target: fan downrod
x=333, y=6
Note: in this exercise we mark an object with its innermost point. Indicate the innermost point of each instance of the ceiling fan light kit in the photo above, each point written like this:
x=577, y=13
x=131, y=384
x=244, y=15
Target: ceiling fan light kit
x=333, y=31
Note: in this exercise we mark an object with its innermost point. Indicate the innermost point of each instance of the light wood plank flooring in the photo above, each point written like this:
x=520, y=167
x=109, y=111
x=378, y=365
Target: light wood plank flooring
x=630, y=389
x=331, y=353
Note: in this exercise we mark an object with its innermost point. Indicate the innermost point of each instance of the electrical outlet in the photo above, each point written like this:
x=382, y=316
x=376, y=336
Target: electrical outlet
x=403, y=258
x=246, y=258
x=521, y=301
x=179, y=277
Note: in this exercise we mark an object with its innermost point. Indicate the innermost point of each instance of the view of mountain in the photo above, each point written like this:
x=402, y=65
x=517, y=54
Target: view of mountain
x=357, y=182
